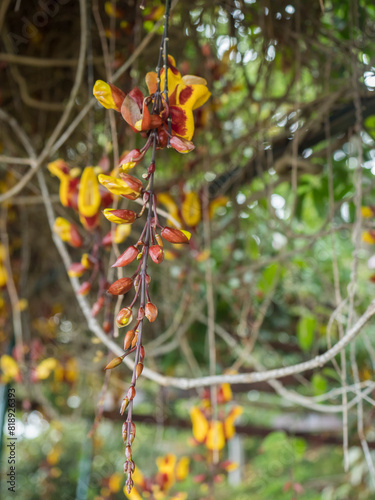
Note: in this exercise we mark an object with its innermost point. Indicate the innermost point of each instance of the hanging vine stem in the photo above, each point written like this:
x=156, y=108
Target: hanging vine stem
x=147, y=238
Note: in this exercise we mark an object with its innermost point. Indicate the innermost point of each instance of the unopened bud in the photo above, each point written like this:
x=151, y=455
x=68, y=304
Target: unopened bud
x=76, y=270
x=129, y=485
x=85, y=288
x=135, y=339
x=107, y=326
x=148, y=279
x=87, y=261
x=124, y=431
x=120, y=216
x=97, y=306
x=128, y=339
x=138, y=369
x=131, y=393
x=159, y=240
x=121, y=286
x=151, y=312
x=141, y=313
x=141, y=354
x=127, y=257
x=175, y=235
x=124, y=405
x=112, y=364
x=128, y=452
x=124, y=317
x=156, y=254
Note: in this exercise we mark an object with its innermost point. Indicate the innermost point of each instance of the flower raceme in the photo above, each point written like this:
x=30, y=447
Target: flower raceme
x=81, y=192
x=186, y=93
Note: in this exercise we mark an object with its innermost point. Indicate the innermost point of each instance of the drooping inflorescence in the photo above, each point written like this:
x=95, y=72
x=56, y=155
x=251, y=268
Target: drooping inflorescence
x=164, y=118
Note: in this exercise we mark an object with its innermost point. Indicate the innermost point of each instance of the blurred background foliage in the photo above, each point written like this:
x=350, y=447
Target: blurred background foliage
x=283, y=146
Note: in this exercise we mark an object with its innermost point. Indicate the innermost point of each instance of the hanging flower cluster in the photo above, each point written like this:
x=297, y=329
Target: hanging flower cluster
x=163, y=118
x=171, y=470
x=82, y=192
x=213, y=431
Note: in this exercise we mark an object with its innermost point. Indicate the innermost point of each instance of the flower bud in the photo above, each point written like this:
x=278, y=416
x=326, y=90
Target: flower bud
x=97, y=306
x=127, y=257
x=138, y=369
x=124, y=405
x=85, y=288
x=156, y=254
x=131, y=393
x=121, y=286
x=76, y=270
x=107, y=239
x=148, y=279
x=124, y=317
x=129, y=485
x=107, y=326
x=135, y=339
x=87, y=261
x=175, y=235
x=141, y=354
x=141, y=313
x=128, y=452
x=134, y=156
x=67, y=232
x=128, y=339
x=119, y=216
x=181, y=145
x=159, y=240
x=132, y=182
x=128, y=186
x=112, y=364
x=151, y=312
x=124, y=431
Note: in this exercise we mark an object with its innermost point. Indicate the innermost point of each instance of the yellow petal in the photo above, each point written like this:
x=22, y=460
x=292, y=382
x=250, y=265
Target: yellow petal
x=367, y=212
x=121, y=233
x=59, y=168
x=171, y=207
x=102, y=92
x=88, y=195
x=9, y=367
x=182, y=468
x=3, y=276
x=192, y=96
x=200, y=424
x=221, y=201
x=45, y=368
x=193, y=80
x=191, y=209
x=64, y=190
x=229, y=421
x=215, y=436
x=368, y=238
x=227, y=392
x=62, y=228
x=133, y=495
x=174, y=76
x=186, y=233
x=115, y=482
x=114, y=185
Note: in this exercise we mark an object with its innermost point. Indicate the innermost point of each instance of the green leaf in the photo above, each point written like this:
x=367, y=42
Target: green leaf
x=305, y=332
x=319, y=384
x=269, y=278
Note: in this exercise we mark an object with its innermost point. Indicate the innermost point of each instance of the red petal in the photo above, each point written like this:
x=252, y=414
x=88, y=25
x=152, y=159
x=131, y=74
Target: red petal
x=179, y=119
x=130, y=111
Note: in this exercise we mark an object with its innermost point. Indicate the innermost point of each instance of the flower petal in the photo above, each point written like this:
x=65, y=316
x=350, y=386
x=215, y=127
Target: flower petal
x=89, y=199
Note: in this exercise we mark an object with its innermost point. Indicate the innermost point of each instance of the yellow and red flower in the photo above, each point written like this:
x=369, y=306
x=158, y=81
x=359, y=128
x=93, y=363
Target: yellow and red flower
x=186, y=93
